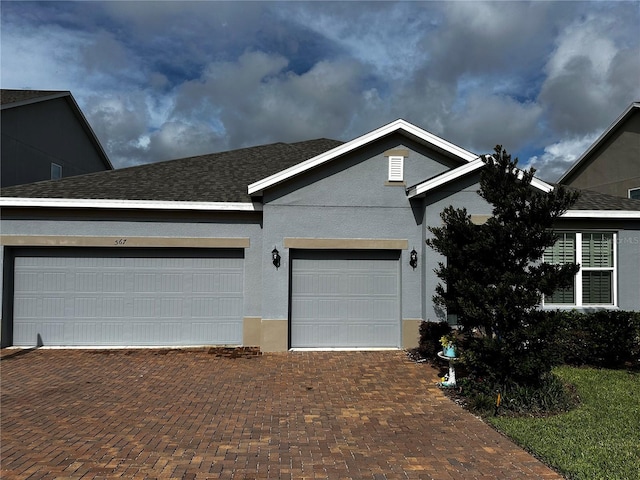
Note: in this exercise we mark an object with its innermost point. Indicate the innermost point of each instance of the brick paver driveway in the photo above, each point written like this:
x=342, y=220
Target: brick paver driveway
x=195, y=415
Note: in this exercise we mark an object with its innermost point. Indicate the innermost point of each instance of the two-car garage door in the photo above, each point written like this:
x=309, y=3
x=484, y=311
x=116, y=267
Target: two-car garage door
x=345, y=299
x=127, y=298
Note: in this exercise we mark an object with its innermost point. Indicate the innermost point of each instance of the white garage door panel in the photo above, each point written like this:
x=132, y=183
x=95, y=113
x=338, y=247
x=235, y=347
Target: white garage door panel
x=114, y=301
x=344, y=302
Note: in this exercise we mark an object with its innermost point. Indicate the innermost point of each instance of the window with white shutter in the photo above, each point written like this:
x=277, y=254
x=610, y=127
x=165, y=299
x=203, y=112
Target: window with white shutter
x=396, y=169
x=595, y=282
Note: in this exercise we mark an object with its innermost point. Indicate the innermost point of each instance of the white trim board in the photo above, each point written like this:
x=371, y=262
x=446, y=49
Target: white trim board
x=603, y=214
x=461, y=171
x=128, y=204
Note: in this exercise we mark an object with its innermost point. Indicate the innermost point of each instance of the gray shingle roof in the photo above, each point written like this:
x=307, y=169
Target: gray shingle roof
x=15, y=96
x=216, y=177
x=590, y=200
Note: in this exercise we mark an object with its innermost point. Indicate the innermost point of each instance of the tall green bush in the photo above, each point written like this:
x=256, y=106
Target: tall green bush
x=493, y=279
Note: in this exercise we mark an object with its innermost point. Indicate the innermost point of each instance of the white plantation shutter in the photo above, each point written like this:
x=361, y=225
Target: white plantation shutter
x=597, y=250
x=563, y=251
x=396, y=169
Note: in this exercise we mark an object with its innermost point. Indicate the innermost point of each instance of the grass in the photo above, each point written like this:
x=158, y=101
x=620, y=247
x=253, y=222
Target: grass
x=598, y=440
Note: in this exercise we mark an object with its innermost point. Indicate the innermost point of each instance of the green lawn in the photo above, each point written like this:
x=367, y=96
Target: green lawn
x=598, y=440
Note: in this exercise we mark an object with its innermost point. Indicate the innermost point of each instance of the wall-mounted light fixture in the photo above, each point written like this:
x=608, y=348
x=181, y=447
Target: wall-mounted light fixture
x=413, y=258
x=275, y=257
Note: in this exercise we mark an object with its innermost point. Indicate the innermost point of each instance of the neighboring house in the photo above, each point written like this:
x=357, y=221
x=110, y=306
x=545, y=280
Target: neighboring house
x=612, y=164
x=45, y=136
x=316, y=244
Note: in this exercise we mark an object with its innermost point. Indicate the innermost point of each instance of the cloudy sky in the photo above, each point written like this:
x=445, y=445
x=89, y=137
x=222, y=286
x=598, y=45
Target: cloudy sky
x=163, y=80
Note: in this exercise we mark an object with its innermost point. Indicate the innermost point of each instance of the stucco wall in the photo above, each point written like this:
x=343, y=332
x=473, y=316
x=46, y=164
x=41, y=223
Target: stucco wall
x=629, y=268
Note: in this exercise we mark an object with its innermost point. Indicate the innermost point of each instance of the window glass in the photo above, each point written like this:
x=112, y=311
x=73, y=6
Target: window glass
x=562, y=296
x=56, y=171
x=595, y=281
x=596, y=287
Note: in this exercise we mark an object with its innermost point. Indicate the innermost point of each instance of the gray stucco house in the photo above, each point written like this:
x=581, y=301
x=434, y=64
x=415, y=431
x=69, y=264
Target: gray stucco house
x=316, y=244
x=46, y=136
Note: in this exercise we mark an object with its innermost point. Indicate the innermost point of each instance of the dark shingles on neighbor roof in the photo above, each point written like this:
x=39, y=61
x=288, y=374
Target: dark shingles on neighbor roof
x=14, y=96
x=216, y=177
x=590, y=200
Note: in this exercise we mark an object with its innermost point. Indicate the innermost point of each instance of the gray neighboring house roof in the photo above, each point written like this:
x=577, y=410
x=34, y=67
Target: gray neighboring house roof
x=15, y=98
x=18, y=98
x=215, y=177
x=590, y=200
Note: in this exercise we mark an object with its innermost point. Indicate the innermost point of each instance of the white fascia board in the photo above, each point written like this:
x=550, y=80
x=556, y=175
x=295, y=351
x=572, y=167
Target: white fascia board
x=603, y=214
x=397, y=125
x=541, y=185
x=463, y=170
x=128, y=204
x=446, y=177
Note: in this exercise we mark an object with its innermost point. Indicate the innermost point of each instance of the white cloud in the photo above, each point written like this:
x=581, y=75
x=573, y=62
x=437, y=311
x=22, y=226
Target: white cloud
x=37, y=58
x=584, y=90
x=257, y=99
x=559, y=156
x=487, y=120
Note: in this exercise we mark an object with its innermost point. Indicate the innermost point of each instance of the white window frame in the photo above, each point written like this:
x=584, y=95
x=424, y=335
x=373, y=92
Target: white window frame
x=636, y=189
x=577, y=287
x=396, y=168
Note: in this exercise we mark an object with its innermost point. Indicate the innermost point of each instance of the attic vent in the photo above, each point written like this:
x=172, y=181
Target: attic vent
x=396, y=169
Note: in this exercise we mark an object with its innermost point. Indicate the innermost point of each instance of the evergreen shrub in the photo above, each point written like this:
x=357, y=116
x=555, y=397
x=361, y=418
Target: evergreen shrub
x=430, y=334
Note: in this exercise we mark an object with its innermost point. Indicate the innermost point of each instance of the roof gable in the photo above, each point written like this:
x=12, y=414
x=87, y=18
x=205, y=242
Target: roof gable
x=613, y=128
x=18, y=98
x=475, y=165
x=399, y=126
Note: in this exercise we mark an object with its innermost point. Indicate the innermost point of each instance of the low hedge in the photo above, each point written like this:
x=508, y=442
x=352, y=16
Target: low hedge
x=604, y=338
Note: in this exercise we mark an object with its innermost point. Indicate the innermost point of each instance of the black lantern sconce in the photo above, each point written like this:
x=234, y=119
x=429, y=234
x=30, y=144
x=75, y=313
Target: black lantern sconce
x=413, y=258
x=275, y=257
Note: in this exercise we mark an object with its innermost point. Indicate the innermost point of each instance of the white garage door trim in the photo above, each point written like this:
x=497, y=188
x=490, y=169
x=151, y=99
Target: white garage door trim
x=150, y=297
x=345, y=299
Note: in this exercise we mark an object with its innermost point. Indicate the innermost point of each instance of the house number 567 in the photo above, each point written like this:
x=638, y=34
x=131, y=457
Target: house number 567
x=120, y=241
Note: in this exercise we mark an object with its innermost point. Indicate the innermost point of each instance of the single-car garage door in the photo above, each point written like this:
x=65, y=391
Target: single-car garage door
x=345, y=299
x=127, y=298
